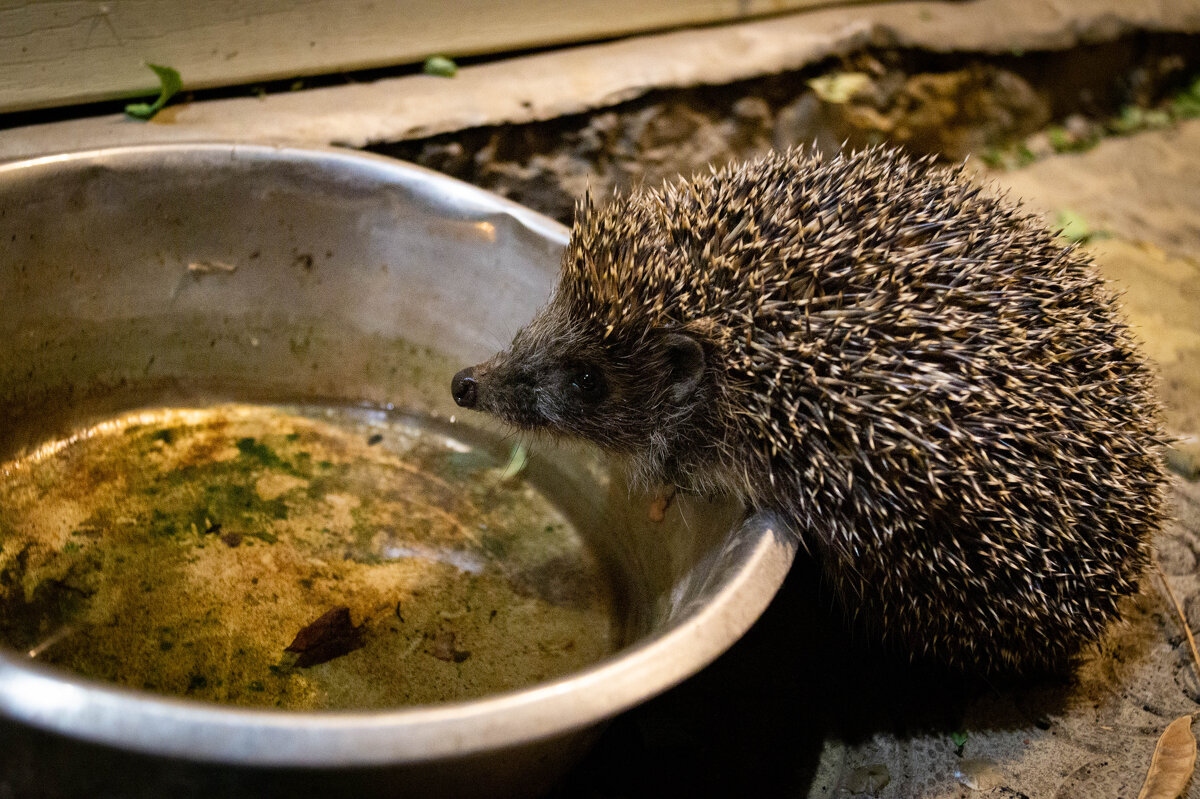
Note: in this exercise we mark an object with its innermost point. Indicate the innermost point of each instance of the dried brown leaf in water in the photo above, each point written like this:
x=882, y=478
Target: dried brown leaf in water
x=1173, y=762
x=329, y=637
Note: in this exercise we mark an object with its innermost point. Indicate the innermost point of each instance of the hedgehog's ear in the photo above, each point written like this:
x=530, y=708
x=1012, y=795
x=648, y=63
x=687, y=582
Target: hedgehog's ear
x=685, y=361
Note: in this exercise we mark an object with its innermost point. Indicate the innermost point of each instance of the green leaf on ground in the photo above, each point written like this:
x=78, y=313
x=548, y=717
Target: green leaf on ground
x=169, y=85
x=840, y=87
x=440, y=66
x=1073, y=227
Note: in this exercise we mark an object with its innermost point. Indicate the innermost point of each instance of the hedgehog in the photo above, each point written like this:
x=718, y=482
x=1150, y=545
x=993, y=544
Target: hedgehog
x=936, y=394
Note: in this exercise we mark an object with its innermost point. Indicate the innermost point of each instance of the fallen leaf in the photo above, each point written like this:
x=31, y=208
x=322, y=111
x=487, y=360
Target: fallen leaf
x=169, y=85
x=979, y=774
x=1173, y=762
x=840, y=87
x=440, y=66
x=329, y=637
x=1074, y=227
x=517, y=461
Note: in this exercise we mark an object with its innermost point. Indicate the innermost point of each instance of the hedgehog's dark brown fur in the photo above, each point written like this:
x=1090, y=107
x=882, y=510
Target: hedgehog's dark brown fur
x=937, y=393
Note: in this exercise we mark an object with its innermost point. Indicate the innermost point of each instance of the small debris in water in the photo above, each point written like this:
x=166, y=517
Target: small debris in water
x=50, y=641
x=443, y=648
x=329, y=637
x=516, y=463
x=210, y=267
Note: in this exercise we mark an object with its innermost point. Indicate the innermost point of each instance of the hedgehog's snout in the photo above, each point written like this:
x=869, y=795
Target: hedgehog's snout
x=497, y=387
x=465, y=388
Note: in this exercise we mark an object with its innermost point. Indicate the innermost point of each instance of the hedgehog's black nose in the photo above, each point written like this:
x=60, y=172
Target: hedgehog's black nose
x=464, y=388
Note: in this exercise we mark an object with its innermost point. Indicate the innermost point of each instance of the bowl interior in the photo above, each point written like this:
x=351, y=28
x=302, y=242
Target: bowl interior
x=197, y=276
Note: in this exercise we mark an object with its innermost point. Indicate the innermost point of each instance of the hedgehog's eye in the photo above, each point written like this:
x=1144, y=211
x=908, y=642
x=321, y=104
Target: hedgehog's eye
x=586, y=381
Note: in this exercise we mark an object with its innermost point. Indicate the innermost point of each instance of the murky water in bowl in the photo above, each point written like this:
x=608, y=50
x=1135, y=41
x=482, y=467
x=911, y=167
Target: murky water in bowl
x=293, y=557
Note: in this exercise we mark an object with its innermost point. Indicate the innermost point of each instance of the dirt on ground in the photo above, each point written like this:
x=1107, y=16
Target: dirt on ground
x=954, y=105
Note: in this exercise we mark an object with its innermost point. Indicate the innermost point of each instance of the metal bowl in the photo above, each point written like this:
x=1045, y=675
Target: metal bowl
x=118, y=293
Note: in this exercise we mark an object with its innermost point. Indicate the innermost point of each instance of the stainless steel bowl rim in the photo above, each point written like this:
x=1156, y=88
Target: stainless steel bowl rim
x=59, y=702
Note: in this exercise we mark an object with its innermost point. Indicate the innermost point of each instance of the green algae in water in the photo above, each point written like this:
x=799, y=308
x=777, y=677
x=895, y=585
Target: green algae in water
x=182, y=550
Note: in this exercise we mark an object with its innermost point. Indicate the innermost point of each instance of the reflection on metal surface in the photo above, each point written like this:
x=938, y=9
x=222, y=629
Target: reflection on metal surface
x=352, y=287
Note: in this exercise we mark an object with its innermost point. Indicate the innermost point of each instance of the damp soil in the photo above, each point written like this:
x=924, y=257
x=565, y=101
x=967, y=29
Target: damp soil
x=299, y=558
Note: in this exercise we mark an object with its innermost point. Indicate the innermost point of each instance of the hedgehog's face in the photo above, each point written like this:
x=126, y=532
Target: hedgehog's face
x=563, y=380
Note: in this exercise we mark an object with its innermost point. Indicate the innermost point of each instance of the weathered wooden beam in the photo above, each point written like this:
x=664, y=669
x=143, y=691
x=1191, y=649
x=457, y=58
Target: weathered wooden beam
x=575, y=80
x=61, y=52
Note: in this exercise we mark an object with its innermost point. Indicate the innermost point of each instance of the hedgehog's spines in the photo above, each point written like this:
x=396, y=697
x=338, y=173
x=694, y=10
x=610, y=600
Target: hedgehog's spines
x=938, y=392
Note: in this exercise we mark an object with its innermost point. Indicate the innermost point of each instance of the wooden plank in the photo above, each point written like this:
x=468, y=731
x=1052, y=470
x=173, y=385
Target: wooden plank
x=578, y=79
x=574, y=80
x=62, y=52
